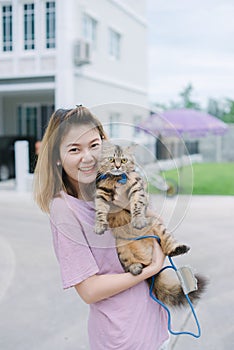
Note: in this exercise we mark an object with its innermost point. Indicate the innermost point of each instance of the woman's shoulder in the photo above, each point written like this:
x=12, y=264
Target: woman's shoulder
x=58, y=202
x=62, y=205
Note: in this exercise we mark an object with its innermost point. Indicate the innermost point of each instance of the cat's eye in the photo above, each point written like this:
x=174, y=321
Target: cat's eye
x=111, y=159
x=124, y=160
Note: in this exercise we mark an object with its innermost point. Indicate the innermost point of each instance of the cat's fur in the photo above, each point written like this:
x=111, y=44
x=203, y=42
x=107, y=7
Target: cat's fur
x=125, y=224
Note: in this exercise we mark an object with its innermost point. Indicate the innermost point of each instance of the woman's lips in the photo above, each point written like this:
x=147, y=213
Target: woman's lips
x=87, y=169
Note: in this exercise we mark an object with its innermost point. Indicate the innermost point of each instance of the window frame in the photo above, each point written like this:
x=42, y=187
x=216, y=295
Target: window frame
x=32, y=118
x=7, y=28
x=89, y=29
x=29, y=26
x=114, y=43
x=50, y=25
x=114, y=125
x=137, y=118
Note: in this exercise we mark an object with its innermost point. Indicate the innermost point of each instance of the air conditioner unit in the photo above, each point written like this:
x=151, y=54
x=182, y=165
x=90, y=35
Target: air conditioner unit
x=81, y=53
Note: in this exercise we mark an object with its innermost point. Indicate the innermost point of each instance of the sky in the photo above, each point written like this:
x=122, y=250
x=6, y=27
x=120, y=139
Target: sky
x=191, y=41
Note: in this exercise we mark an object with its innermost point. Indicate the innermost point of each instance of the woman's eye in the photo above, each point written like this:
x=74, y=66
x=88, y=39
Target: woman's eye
x=124, y=160
x=74, y=150
x=95, y=145
x=111, y=159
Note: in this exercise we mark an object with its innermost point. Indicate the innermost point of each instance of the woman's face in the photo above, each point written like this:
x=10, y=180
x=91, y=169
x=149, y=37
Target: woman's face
x=79, y=153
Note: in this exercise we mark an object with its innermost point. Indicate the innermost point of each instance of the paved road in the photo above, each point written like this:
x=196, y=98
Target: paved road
x=36, y=314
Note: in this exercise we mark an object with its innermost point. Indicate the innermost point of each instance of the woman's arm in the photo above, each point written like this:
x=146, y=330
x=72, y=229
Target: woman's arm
x=99, y=287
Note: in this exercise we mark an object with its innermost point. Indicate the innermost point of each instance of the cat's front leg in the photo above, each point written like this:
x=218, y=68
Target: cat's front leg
x=138, y=220
x=101, y=223
x=138, y=203
x=100, y=227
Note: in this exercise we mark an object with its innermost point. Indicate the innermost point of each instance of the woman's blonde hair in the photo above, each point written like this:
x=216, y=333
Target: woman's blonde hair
x=49, y=178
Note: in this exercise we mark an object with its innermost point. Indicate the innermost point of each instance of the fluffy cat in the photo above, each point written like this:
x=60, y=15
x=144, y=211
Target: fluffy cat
x=117, y=164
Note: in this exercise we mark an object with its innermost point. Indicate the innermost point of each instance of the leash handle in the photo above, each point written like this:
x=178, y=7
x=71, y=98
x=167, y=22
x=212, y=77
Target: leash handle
x=171, y=266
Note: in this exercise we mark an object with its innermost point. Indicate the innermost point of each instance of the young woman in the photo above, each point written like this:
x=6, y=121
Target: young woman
x=122, y=314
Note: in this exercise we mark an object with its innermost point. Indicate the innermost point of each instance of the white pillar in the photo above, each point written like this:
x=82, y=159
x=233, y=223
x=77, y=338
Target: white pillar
x=21, y=165
x=66, y=33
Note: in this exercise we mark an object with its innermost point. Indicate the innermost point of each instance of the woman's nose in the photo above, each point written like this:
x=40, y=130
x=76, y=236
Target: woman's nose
x=86, y=156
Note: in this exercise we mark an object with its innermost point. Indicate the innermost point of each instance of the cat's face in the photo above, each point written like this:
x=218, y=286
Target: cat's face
x=116, y=160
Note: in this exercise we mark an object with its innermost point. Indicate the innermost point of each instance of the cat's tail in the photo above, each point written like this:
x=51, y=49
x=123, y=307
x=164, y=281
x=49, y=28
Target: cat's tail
x=171, y=293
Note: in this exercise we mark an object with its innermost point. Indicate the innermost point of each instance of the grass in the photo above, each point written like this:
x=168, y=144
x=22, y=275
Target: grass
x=204, y=179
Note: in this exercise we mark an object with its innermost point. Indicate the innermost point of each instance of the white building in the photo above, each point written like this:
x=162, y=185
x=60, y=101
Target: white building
x=56, y=54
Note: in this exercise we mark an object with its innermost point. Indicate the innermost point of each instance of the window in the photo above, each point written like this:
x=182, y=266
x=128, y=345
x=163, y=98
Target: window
x=27, y=120
x=43, y=120
x=114, y=126
x=192, y=146
x=7, y=27
x=114, y=44
x=33, y=119
x=50, y=24
x=89, y=30
x=136, y=122
x=29, y=27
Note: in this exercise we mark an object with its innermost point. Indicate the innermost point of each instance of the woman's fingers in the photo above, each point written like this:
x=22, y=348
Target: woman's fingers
x=158, y=255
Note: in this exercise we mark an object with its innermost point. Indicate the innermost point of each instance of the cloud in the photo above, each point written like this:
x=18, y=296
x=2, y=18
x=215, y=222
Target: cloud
x=191, y=41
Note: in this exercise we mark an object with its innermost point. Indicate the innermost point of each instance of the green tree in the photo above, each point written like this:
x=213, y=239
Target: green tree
x=228, y=117
x=187, y=101
x=223, y=110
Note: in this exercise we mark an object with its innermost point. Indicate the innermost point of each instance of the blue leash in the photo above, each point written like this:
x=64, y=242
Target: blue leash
x=172, y=266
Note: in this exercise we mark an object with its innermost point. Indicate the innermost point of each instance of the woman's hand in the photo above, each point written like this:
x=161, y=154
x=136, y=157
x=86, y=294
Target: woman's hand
x=158, y=258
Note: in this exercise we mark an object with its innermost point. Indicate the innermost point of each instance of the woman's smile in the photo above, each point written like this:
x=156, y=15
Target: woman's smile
x=88, y=169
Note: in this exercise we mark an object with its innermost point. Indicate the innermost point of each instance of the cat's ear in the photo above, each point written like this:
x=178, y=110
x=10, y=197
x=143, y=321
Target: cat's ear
x=131, y=148
x=106, y=145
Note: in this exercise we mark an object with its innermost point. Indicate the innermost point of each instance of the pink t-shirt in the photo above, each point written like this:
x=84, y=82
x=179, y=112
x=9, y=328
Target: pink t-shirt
x=130, y=320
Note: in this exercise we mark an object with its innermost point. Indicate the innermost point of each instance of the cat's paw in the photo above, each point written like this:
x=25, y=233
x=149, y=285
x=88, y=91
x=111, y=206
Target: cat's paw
x=179, y=250
x=100, y=228
x=139, y=222
x=136, y=269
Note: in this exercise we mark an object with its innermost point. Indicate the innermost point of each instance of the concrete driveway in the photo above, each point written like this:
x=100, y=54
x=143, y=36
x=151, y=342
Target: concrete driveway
x=35, y=313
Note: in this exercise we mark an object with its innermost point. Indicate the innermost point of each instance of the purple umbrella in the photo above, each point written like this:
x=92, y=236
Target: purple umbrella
x=183, y=121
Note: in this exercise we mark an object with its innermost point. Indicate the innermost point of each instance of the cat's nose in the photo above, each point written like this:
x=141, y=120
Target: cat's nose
x=117, y=165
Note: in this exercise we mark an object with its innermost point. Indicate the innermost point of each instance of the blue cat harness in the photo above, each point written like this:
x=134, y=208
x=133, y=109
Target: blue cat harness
x=122, y=180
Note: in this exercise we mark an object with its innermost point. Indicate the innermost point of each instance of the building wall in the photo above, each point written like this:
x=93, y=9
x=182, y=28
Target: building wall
x=228, y=144
x=218, y=148
x=42, y=75
x=22, y=63
x=112, y=80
